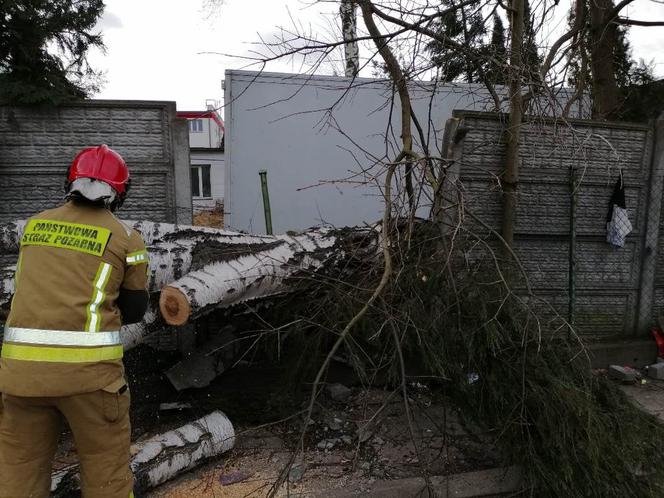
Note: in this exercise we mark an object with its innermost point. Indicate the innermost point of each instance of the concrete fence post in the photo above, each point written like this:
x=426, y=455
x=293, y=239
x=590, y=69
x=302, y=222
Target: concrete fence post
x=446, y=199
x=181, y=163
x=651, y=235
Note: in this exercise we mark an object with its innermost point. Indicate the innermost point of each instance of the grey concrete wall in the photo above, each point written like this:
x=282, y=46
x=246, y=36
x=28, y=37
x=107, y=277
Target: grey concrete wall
x=37, y=146
x=608, y=278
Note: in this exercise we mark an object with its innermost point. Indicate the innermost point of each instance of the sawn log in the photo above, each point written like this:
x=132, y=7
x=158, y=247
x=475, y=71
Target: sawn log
x=164, y=456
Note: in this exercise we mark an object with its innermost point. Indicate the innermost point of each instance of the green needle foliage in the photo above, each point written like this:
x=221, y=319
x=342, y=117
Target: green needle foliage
x=43, y=50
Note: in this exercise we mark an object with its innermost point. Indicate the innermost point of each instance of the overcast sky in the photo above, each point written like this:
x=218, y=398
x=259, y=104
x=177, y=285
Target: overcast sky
x=155, y=48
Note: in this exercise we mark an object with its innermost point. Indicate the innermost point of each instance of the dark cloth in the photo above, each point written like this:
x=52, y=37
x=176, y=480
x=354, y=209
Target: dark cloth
x=617, y=198
x=133, y=304
x=618, y=226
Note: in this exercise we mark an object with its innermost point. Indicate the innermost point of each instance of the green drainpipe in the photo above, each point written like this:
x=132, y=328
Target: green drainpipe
x=266, y=202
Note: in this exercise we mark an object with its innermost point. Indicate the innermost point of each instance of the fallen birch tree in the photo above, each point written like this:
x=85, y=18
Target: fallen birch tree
x=197, y=270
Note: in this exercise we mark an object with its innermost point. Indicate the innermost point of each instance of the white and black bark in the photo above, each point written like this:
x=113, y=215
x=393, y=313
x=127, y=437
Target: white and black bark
x=347, y=10
x=164, y=456
x=202, y=269
x=221, y=279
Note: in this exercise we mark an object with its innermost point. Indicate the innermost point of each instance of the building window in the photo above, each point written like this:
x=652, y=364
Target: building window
x=200, y=181
x=195, y=125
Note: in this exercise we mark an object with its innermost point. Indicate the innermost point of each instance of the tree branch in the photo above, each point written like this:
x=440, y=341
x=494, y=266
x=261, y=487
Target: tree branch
x=399, y=79
x=578, y=24
x=446, y=42
x=633, y=22
x=616, y=10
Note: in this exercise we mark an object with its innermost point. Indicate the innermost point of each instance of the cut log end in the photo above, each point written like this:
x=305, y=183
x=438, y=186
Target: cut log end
x=174, y=306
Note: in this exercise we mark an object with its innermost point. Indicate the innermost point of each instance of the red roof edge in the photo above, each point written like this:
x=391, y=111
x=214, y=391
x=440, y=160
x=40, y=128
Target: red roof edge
x=203, y=114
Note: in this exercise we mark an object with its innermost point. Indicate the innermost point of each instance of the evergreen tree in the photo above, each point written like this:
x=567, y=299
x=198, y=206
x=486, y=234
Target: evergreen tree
x=622, y=59
x=531, y=57
x=470, y=31
x=628, y=73
x=464, y=26
x=496, y=71
x=43, y=50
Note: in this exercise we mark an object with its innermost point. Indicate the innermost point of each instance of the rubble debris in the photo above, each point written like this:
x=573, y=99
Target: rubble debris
x=364, y=433
x=656, y=371
x=339, y=392
x=196, y=370
x=622, y=374
x=164, y=407
x=233, y=478
x=378, y=441
x=328, y=444
x=200, y=367
x=335, y=424
x=296, y=472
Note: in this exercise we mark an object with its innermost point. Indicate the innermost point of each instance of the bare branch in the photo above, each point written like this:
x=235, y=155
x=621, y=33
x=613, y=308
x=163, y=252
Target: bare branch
x=633, y=22
x=445, y=41
x=616, y=10
x=576, y=28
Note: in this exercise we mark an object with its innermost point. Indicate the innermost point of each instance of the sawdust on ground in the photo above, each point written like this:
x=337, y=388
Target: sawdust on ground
x=210, y=218
x=352, y=445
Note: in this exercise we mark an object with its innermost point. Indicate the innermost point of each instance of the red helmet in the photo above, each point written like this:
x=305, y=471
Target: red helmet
x=101, y=163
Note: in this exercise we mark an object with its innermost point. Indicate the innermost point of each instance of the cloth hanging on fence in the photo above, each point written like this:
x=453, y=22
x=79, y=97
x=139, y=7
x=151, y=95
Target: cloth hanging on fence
x=618, y=225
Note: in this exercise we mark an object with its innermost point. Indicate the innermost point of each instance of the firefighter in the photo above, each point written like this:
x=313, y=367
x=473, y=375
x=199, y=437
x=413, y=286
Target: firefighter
x=81, y=274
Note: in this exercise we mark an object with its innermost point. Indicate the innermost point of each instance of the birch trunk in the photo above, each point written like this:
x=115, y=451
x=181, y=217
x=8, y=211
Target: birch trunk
x=164, y=456
x=151, y=231
x=10, y=234
x=349, y=30
x=200, y=269
x=172, y=250
x=247, y=276
x=134, y=334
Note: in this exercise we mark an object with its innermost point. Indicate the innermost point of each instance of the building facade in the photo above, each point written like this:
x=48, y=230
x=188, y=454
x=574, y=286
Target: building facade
x=206, y=142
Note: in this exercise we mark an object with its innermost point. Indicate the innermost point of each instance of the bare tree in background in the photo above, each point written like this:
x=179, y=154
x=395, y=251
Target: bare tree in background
x=349, y=30
x=397, y=35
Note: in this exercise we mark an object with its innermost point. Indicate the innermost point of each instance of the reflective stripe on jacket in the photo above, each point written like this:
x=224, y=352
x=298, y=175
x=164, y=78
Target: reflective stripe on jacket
x=62, y=334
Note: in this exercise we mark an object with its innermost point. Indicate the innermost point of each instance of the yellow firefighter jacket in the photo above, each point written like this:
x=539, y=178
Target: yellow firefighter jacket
x=62, y=333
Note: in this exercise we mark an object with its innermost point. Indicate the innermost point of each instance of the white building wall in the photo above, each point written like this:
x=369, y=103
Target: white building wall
x=200, y=138
x=209, y=137
x=215, y=159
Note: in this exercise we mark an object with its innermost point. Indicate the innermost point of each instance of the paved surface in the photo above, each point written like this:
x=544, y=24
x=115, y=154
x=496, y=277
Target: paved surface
x=650, y=396
x=492, y=482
